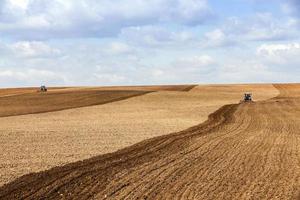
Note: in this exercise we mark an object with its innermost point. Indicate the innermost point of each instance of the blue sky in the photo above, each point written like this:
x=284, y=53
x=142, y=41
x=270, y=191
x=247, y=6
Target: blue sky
x=138, y=42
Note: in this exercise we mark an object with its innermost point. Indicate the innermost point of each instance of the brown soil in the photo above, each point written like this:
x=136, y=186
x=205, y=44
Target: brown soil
x=17, y=91
x=20, y=101
x=37, y=142
x=149, y=88
x=31, y=103
x=243, y=151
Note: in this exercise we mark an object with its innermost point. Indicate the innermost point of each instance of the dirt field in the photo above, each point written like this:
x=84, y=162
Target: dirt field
x=31, y=103
x=32, y=143
x=30, y=90
x=18, y=91
x=243, y=151
x=20, y=101
x=148, y=88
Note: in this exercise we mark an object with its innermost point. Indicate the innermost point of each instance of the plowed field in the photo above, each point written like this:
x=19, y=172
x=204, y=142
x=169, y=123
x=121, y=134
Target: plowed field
x=243, y=151
x=15, y=102
x=37, y=142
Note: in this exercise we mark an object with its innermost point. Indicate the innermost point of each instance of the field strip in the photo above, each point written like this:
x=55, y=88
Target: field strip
x=28, y=103
x=57, y=99
x=15, y=91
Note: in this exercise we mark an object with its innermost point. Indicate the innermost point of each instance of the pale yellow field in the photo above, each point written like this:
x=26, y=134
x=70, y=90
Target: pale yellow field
x=36, y=142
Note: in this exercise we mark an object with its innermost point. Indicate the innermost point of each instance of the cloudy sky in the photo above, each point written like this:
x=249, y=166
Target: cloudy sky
x=136, y=42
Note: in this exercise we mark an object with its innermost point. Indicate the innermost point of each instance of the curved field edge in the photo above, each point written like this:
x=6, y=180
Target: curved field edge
x=142, y=152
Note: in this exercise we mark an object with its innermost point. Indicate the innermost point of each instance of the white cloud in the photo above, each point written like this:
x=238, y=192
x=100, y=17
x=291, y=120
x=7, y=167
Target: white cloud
x=19, y=3
x=215, y=35
x=23, y=75
x=190, y=11
x=6, y=73
x=158, y=73
x=268, y=27
x=117, y=48
x=157, y=36
x=187, y=69
x=283, y=56
x=273, y=49
x=217, y=38
x=30, y=77
x=244, y=71
x=147, y=35
x=43, y=19
x=34, y=49
x=258, y=27
x=103, y=42
x=195, y=62
x=108, y=79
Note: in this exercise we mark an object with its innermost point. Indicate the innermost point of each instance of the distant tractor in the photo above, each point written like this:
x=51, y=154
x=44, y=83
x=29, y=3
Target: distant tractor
x=247, y=97
x=43, y=88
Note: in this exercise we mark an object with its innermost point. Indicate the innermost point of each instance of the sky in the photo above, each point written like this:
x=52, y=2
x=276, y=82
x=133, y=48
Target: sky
x=139, y=42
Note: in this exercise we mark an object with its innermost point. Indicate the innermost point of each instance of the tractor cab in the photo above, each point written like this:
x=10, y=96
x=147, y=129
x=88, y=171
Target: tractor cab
x=247, y=97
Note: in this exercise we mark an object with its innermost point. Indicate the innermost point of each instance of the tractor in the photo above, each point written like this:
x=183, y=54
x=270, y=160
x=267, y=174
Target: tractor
x=43, y=89
x=247, y=97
